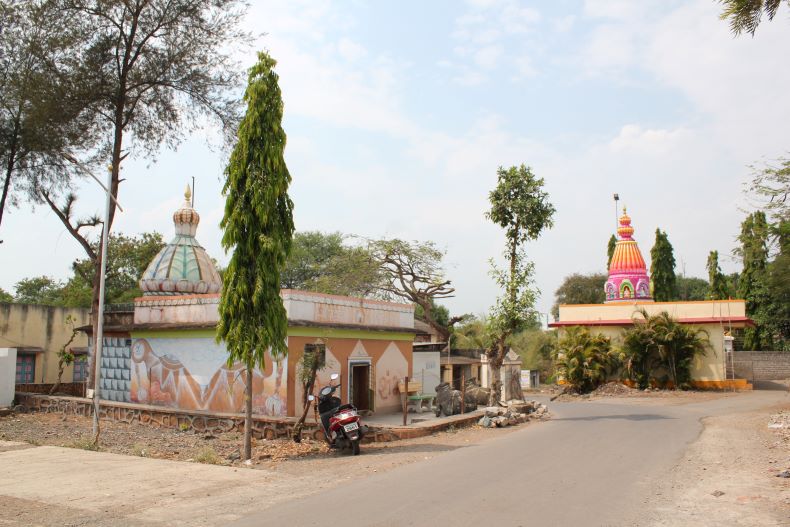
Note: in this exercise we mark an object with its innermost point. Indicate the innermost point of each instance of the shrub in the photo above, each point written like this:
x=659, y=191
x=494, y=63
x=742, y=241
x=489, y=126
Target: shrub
x=208, y=456
x=659, y=342
x=582, y=360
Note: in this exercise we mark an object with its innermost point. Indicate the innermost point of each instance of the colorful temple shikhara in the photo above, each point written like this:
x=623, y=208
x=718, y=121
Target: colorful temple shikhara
x=628, y=297
x=628, y=278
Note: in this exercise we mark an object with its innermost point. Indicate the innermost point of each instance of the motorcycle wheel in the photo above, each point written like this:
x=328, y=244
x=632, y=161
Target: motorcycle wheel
x=355, y=447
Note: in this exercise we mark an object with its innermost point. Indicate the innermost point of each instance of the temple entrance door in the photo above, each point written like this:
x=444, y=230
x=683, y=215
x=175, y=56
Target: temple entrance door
x=360, y=385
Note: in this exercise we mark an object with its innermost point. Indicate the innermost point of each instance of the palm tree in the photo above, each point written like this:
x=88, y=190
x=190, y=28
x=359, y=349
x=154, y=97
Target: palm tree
x=660, y=341
x=678, y=344
x=583, y=361
x=639, y=351
x=745, y=15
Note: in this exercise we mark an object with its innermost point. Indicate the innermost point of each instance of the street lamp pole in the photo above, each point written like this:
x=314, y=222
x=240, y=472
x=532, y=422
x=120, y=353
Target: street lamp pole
x=616, y=211
x=100, y=323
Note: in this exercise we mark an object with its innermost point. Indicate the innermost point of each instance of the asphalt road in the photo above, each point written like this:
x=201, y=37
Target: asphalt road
x=592, y=464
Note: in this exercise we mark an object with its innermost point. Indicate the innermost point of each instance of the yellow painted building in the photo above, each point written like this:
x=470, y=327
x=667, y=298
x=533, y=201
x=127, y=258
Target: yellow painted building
x=716, y=317
x=38, y=333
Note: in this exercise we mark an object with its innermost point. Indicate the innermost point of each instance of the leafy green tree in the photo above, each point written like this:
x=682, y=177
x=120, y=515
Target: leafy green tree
x=414, y=271
x=769, y=289
x=325, y=264
x=535, y=347
x=521, y=207
x=43, y=120
x=310, y=253
x=770, y=184
x=745, y=15
x=583, y=360
x=5, y=296
x=691, y=288
x=353, y=272
x=662, y=269
x=717, y=282
x=149, y=71
x=753, y=282
x=610, y=250
x=580, y=289
x=41, y=290
x=258, y=227
x=472, y=333
x=128, y=257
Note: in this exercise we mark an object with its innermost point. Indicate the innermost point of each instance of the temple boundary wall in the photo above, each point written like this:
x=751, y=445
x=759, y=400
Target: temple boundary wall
x=762, y=365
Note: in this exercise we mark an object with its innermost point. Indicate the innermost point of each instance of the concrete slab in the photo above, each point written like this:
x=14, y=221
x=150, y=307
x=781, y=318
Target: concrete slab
x=151, y=490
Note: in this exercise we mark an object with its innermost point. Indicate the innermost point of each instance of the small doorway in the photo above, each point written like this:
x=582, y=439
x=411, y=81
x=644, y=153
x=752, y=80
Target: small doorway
x=359, y=390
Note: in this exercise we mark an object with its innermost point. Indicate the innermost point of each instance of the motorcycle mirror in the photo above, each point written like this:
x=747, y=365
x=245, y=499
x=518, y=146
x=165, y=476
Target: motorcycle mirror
x=311, y=397
x=334, y=376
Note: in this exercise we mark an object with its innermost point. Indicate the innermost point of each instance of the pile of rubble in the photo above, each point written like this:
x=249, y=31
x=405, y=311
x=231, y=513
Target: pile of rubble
x=614, y=389
x=513, y=413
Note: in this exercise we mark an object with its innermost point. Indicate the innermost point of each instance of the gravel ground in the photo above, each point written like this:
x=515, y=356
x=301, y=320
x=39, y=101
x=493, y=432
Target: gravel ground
x=219, y=449
x=729, y=475
x=616, y=390
x=145, y=441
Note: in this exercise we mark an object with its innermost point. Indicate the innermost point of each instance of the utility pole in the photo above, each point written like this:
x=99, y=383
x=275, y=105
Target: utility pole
x=100, y=323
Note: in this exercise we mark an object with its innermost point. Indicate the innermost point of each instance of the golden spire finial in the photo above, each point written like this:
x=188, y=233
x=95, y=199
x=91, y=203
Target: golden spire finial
x=188, y=194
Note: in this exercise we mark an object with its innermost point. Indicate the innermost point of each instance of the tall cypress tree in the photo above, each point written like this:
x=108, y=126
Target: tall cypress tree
x=752, y=285
x=258, y=227
x=662, y=269
x=610, y=250
x=717, y=284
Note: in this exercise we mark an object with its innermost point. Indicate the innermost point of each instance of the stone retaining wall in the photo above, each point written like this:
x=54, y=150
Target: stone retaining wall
x=76, y=389
x=762, y=365
x=262, y=427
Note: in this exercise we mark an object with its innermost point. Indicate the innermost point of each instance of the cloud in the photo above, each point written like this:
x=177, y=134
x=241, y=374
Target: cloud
x=484, y=34
x=350, y=50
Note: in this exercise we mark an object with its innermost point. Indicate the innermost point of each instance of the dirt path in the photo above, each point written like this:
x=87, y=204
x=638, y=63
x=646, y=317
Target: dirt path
x=728, y=476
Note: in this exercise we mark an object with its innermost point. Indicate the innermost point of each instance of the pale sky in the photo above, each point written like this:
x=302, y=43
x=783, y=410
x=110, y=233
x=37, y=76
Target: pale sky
x=399, y=114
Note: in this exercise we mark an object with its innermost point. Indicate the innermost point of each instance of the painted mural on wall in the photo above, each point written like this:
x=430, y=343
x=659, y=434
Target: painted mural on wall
x=390, y=369
x=192, y=374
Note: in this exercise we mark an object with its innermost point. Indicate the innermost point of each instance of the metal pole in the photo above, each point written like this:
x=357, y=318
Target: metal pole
x=463, y=391
x=616, y=212
x=405, y=399
x=100, y=324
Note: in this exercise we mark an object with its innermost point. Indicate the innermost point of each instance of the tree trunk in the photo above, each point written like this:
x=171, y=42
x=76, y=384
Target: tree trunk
x=9, y=170
x=61, y=368
x=300, y=423
x=495, y=360
x=297, y=436
x=496, y=385
x=248, y=414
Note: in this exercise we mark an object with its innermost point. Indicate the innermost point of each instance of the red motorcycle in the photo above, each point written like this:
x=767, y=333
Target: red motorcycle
x=340, y=422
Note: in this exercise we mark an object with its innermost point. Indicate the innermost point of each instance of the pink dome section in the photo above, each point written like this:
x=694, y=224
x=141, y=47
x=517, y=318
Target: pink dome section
x=628, y=279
